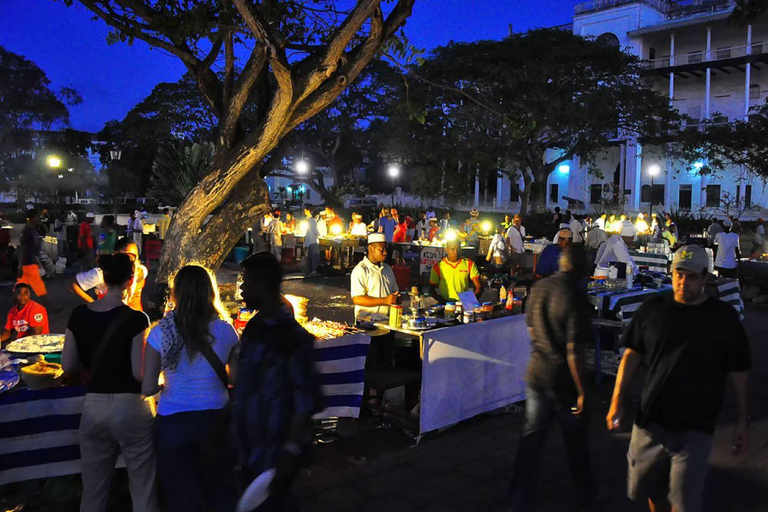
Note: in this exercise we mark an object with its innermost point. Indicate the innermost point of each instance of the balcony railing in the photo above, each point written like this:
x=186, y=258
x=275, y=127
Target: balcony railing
x=599, y=5
x=715, y=55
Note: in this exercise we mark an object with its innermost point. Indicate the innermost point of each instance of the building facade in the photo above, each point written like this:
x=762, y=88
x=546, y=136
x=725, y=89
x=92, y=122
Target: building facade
x=710, y=69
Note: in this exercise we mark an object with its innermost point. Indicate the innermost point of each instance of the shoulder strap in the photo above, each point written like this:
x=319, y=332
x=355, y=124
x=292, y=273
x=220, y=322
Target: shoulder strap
x=216, y=364
x=107, y=336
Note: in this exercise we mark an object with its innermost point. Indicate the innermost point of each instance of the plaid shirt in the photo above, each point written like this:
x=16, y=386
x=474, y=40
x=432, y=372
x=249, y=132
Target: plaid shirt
x=276, y=381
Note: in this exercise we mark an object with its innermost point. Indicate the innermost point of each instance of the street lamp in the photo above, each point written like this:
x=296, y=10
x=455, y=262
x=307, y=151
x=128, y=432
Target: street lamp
x=53, y=161
x=393, y=171
x=654, y=171
x=302, y=166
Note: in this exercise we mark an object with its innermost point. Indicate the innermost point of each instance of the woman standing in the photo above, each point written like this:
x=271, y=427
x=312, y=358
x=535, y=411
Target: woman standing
x=192, y=345
x=136, y=229
x=106, y=338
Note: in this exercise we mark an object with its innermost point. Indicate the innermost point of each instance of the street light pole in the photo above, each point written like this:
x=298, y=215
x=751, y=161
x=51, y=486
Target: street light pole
x=393, y=171
x=653, y=170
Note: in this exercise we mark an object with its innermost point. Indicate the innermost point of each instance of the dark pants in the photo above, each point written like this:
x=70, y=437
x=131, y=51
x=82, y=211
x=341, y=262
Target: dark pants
x=195, y=462
x=541, y=407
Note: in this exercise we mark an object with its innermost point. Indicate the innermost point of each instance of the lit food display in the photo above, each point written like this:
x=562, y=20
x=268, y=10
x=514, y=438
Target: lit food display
x=325, y=329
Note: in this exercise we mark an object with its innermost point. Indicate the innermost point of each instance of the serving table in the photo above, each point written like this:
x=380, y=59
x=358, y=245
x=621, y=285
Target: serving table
x=469, y=369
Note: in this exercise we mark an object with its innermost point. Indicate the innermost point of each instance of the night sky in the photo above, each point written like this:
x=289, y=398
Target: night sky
x=71, y=48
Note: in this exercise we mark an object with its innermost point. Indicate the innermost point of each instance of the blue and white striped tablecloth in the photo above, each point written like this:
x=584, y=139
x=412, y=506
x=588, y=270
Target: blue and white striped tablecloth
x=341, y=364
x=654, y=262
x=624, y=303
x=39, y=435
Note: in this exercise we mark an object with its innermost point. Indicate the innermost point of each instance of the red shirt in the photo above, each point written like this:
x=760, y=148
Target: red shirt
x=31, y=315
x=85, y=236
x=400, y=233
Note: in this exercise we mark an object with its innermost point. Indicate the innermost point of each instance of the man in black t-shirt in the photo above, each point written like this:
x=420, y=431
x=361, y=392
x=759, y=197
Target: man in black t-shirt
x=690, y=343
x=558, y=319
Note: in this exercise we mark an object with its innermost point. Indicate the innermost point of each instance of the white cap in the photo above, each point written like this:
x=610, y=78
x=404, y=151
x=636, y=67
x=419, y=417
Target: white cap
x=628, y=229
x=90, y=215
x=376, y=237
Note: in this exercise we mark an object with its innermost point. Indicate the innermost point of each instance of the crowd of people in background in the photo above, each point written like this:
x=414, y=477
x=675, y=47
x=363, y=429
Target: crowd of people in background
x=185, y=445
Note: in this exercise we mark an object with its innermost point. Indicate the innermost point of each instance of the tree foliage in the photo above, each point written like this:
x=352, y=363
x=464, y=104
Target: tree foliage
x=176, y=170
x=524, y=105
x=713, y=146
x=283, y=60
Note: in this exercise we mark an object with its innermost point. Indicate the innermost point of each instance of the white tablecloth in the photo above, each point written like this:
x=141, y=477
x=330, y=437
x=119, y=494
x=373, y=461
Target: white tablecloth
x=472, y=369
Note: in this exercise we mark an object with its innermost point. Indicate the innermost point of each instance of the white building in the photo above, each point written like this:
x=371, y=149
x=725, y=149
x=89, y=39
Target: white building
x=709, y=68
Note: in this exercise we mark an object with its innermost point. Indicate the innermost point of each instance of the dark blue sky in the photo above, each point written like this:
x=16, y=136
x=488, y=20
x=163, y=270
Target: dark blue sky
x=71, y=48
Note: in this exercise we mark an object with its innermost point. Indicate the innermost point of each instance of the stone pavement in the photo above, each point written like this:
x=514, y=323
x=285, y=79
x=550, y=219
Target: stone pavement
x=467, y=467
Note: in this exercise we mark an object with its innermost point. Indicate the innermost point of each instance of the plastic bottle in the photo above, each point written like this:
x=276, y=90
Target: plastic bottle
x=502, y=294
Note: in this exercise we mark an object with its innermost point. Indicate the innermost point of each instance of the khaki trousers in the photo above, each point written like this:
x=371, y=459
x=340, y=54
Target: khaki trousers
x=112, y=424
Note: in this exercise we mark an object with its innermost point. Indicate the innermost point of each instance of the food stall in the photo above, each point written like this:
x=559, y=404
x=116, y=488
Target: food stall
x=336, y=251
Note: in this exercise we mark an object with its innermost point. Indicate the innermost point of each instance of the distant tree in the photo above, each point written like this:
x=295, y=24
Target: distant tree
x=747, y=11
x=174, y=113
x=524, y=105
x=176, y=170
x=28, y=104
x=301, y=56
x=340, y=139
x=712, y=147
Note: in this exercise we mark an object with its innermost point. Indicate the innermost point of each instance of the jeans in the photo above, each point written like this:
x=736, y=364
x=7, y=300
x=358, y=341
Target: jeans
x=112, y=424
x=195, y=461
x=541, y=408
x=312, y=258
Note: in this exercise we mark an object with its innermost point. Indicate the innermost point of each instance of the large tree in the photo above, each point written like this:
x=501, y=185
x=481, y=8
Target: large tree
x=299, y=56
x=526, y=104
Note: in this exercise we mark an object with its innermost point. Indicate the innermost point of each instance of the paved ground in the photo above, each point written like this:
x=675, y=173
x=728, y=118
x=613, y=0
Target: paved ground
x=467, y=467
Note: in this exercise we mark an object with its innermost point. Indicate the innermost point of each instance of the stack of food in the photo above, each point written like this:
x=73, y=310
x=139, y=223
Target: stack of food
x=37, y=344
x=42, y=375
x=325, y=329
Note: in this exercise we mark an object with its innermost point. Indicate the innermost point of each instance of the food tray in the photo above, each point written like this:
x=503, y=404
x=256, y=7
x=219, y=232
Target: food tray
x=37, y=344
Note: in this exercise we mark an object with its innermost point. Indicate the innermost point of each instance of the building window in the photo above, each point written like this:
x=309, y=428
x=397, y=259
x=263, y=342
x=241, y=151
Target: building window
x=685, y=195
x=308, y=194
x=645, y=194
x=694, y=116
x=553, y=188
x=713, y=196
x=754, y=92
x=595, y=194
x=651, y=53
x=609, y=40
x=748, y=196
x=657, y=194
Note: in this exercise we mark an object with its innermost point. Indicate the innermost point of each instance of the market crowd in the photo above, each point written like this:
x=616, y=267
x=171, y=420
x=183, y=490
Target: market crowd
x=232, y=407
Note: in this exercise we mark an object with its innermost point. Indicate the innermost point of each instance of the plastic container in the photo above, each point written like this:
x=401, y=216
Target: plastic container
x=450, y=310
x=240, y=254
x=468, y=317
x=395, y=316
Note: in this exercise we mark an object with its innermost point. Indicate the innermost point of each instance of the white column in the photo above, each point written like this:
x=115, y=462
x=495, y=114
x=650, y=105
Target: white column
x=672, y=63
x=703, y=195
x=708, y=79
x=748, y=74
x=499, y=190
x=638, y=175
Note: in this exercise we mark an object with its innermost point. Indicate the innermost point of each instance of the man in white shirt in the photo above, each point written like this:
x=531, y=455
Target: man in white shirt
x=595, y=237
x=577, y=229
x=515, y=241
x=615, y=249
x=728, y=253
x=373, y=286
x=600, y=222
x=311, y=247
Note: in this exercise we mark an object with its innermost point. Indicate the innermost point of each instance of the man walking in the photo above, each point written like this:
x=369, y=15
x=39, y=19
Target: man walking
x=691, y=344
x=311, y=246
x=558, y=322
x=277, y=389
